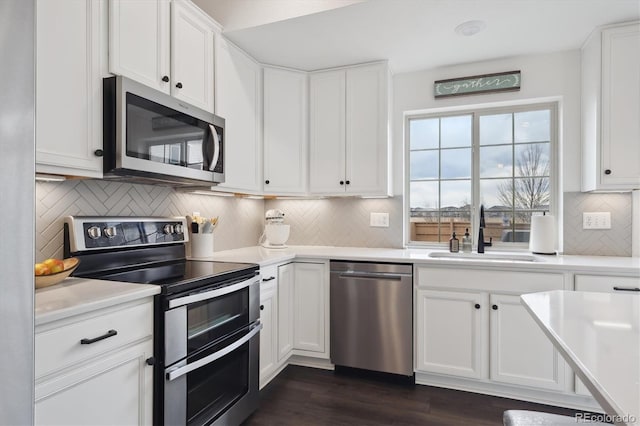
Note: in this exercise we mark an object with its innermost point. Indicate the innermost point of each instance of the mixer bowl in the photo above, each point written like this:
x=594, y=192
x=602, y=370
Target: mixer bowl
x=276, y=233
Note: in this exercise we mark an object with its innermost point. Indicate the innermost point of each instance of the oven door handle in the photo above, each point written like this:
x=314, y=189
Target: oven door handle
x=181, y=371
x=205, y=295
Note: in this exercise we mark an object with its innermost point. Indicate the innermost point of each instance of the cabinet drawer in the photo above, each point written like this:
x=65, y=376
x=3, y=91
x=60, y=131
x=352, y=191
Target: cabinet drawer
x=489, y=280
x=269, y=275
x=607, y=283
x=60, y=347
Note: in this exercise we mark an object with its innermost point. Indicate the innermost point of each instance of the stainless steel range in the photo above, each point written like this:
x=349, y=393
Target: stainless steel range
x=207, y=319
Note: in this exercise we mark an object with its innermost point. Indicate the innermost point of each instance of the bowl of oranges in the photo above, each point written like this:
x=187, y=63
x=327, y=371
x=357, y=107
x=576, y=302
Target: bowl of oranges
x=52, y=271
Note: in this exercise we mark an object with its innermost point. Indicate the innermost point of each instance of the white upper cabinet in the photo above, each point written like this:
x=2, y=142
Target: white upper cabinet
x=285, y=131
x=238, y=101
x=192, y=38
x=168, y=46
x=139, y=33
x=610, y=109
x=349, y=136
x=69, y=87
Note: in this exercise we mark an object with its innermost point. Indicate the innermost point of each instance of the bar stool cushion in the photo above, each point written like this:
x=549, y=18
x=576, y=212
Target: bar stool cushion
x=535, y=418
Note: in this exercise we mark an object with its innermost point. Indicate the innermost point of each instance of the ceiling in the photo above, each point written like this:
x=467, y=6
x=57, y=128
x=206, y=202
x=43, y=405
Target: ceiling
x=411, y=34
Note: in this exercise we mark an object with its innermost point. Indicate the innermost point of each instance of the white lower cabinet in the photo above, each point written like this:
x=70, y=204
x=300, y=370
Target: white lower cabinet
x=477, y=329
x=286, y=281
x=457, y=347
x=520, y=352
x=269, y=320
x=311, y=307
x=107, y=381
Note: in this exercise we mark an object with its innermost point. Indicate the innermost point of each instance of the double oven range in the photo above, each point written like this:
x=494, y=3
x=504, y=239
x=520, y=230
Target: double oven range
x=207, y=321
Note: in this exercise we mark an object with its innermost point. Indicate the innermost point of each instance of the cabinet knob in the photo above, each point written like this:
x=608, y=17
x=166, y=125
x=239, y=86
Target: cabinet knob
x=179, y=85
x=266, y=181
x=494, y=307
x=348, y=182
x=607, y=172
x=262, y=307
x=341, y=182
x=151, y=361
x=98, y=153
x=477, y=306
x=165, y=78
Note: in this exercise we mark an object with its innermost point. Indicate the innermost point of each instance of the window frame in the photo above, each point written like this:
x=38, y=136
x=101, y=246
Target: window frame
x=476, y=112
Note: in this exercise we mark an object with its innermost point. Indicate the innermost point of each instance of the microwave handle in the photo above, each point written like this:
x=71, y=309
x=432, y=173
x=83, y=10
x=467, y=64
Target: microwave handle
x=181, y=371
x=216, y=147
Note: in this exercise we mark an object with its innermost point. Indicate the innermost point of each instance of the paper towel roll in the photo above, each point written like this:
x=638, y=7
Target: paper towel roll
x=542, y=239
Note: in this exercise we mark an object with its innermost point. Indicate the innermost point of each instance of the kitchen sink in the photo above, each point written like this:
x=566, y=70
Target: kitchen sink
x=506, y=257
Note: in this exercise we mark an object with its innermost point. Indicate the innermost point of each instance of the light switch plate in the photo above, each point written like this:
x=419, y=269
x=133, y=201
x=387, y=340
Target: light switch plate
x=596, y=220
x=379, y=220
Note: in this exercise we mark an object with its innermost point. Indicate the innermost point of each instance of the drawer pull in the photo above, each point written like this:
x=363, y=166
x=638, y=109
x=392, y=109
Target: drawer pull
x=108, y=334
x=264, y=280
x=626, y=288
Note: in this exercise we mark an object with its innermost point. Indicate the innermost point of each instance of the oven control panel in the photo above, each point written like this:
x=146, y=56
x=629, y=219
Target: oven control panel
x=89, y=233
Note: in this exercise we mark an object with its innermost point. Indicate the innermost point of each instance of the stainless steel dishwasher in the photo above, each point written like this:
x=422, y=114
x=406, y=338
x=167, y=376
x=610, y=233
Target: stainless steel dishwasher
x=371, y=312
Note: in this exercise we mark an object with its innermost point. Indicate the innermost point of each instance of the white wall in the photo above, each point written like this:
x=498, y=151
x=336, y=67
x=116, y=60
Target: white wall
x=548, y=76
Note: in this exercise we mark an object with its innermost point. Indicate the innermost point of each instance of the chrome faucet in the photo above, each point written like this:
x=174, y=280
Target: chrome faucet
x=481, y=242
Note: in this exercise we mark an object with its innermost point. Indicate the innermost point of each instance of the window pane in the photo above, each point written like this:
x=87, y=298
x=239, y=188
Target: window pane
x=496, y=193
x=456, y=131
x=456, y=163
x=424, y=133
x=455, y=194
x=532, y=126
x=496, y=161
x=498, y=224
x=532, y=193
x=423, y=196
x=532, y=159
x=495, y=129
x=424, y=165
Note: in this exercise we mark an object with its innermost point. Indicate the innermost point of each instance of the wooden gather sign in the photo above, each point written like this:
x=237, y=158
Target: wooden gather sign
x=477, y=84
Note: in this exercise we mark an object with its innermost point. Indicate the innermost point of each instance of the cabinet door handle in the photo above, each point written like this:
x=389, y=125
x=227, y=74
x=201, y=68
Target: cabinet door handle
x=341, y=182
x=165, y=78
x=626, y=288
x=262, y=307
x=477, y=306
x=494, y=307
x=108, y=334
x=348, y=182
x=268, y=279
x=607, y=172
x=179, y=85
x=267, y=181
x=98, y=153
x=151, y=361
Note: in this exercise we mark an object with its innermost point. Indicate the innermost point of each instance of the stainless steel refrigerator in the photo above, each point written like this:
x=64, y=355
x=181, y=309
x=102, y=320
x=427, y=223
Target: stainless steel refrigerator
x=17, y=189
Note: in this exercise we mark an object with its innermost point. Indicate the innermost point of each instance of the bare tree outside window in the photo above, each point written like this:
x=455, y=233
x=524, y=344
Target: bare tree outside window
x=531, y=191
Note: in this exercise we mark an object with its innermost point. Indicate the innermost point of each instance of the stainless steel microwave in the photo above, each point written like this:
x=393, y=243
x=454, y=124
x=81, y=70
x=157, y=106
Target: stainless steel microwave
x=151, y=137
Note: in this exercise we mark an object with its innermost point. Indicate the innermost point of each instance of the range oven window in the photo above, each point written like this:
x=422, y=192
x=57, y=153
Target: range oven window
x=211, y=319
x=213, y=388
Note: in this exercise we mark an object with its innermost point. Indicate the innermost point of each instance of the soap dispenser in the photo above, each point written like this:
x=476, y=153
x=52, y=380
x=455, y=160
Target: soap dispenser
x=467, y=245
x=454, y=243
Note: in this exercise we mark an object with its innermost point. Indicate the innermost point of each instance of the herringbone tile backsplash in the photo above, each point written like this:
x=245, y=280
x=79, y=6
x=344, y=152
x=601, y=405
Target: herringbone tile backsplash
x=240, y=223
x=327, y=222
x=608, y=242
x=341, y=221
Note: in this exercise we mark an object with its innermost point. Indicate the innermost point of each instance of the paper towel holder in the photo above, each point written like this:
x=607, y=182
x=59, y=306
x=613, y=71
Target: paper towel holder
x=542, y=237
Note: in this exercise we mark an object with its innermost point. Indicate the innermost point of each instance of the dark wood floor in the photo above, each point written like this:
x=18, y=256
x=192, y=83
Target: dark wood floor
x=307, y=396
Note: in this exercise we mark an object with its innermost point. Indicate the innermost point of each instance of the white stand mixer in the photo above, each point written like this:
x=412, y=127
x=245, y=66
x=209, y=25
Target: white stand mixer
x=276, y=232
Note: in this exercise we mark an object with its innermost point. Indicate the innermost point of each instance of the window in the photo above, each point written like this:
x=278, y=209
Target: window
x=500, y=158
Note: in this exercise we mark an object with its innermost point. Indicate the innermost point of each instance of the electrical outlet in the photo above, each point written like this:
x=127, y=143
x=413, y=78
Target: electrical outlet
x=596, y=220
x=379, y=220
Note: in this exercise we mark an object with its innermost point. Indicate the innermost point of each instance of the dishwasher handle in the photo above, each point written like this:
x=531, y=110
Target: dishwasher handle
x=372, y=275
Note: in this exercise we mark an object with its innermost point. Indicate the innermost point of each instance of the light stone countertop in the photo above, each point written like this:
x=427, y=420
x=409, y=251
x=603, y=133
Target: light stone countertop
x=598, y=334
x=75, y=296
x=562, y=263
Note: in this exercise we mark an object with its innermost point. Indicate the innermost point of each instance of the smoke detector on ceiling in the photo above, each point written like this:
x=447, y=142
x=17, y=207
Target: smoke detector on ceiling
x=470, y=28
